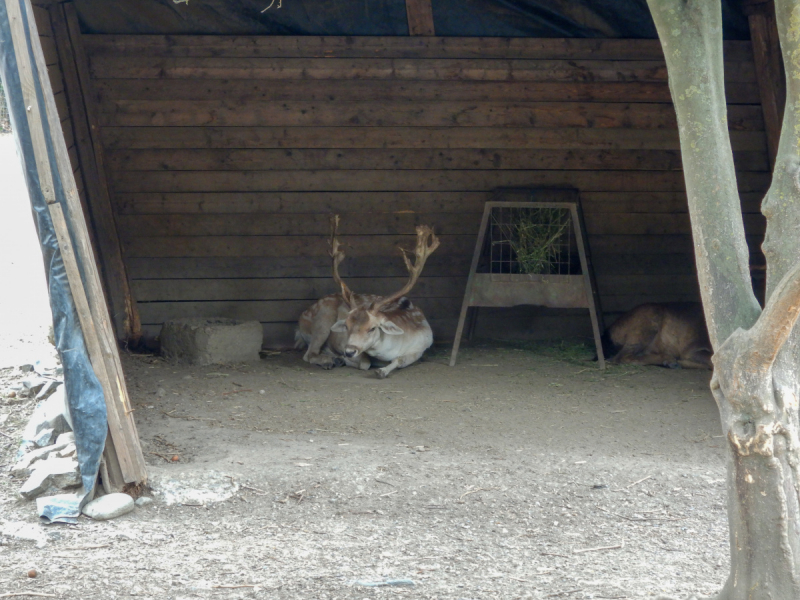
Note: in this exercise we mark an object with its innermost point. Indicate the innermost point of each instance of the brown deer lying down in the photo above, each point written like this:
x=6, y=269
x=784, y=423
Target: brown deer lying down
x=348, y=329
x=669, y=335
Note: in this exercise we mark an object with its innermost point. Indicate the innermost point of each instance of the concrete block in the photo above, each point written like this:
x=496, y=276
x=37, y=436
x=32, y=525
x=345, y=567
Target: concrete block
x=211, y=341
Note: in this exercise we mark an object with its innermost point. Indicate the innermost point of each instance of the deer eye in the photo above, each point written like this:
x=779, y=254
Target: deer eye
x=373, y=329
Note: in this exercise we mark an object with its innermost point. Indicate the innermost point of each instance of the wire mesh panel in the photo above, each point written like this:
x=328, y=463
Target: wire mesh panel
x=5, y=122
x=531, y=241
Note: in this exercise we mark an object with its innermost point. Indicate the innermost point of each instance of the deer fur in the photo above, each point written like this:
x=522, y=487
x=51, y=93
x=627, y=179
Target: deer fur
x=669, y=335
x=349, y=329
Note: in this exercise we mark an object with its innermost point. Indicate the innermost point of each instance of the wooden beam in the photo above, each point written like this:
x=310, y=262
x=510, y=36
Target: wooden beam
x=77, y=258
x=420, y=17
x=123, y=308
x=769, y=68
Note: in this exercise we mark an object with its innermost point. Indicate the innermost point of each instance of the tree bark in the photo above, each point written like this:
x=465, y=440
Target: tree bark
x=755, y=381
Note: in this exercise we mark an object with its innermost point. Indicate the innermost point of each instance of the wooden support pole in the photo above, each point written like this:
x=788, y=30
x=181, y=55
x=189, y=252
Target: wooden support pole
x=125, y=316
x=769, y=68
x=77, y=257
x=420, y=17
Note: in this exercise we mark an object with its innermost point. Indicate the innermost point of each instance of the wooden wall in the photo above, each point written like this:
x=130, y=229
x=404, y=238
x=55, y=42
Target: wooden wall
x=226, y=155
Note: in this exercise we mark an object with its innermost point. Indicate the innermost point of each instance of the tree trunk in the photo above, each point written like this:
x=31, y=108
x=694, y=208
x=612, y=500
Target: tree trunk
x=755, y=382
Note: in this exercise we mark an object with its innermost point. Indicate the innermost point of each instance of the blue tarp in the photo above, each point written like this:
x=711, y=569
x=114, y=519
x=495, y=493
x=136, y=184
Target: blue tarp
x=84, y=394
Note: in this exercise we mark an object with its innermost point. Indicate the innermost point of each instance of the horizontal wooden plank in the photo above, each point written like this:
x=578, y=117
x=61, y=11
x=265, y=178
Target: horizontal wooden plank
x=56, y=78
x=620, y=304
x=232, y=113
x=253, y=90
x=286, y=246
x=622, y=284
x=280, y=336
x=409, y=137
x=655, y=224
x=137, y=66
x=49, y=50
x=295, y=224
x=410, y=180
x=313, y=159
x=604, y=223
x=182, y=290
x=265, y=310
x=388, y=265
x=379, y=245
x=372, y=46
x=386, y=202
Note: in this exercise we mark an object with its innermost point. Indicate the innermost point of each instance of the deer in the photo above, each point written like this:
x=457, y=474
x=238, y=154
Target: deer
x=350, y=329
x=669, y=335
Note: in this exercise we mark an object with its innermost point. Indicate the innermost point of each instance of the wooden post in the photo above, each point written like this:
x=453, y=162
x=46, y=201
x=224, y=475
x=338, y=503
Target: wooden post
x=420, y=17
x=769, y=68
x=122, y=306
x=78, y=256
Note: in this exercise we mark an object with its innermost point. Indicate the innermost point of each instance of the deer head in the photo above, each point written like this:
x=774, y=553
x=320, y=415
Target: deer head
x=391, y=315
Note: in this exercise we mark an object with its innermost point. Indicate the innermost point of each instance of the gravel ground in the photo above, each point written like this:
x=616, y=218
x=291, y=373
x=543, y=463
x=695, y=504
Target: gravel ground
x=520, y=473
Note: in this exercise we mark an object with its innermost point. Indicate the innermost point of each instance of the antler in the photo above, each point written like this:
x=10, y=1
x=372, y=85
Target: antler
x=338, y=256
x=427, y=242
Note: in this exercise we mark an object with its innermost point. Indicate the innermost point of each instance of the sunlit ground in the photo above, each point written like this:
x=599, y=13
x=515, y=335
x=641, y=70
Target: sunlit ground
x=24, y=305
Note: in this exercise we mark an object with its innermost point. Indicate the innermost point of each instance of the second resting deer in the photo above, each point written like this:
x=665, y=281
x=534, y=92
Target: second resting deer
x=349, y=329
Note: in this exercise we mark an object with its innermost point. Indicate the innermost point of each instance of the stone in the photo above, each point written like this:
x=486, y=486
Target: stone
x=69, y=450
x=49, y=387
x=33, y=384
x=44, y=437
x=60, y=473
x=26, y=368
x=211, y=341
x=23, y=466
x=51, y=413
x=109, y=506
x=143, y=501
x=66, y=438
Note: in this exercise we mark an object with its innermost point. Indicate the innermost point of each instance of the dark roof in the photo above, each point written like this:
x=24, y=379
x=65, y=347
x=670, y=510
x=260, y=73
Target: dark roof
x=503, y=18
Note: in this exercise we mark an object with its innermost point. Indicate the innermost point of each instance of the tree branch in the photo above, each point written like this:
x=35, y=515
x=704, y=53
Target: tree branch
x=777, y=320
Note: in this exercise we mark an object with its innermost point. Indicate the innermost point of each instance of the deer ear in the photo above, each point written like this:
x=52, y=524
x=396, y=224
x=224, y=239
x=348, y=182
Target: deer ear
x=339, y=327
x=390, y=328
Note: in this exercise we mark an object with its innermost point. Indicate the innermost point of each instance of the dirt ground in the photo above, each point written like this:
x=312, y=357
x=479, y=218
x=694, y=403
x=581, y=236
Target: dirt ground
x=523, y=472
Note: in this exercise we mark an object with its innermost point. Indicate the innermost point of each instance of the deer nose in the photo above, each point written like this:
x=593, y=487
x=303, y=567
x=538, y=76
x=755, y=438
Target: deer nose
x=350, y=352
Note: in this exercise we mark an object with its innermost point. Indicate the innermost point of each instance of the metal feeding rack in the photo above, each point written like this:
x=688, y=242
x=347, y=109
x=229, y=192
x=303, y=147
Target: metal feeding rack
x=531, y=249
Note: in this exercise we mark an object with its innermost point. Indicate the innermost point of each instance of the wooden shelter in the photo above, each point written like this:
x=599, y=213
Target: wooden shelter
x=207, y=165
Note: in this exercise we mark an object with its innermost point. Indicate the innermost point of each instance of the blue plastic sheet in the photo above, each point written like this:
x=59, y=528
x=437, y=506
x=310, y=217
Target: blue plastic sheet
x=83, y=391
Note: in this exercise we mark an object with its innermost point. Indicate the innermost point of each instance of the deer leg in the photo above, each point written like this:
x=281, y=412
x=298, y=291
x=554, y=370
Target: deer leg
x=362, y=362
x=651, y=358
x=698, y=359
x=398, y=363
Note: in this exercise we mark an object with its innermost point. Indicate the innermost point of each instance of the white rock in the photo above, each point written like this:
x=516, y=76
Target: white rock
x=24, y=466
x=109, y=507
x=69, y=450
x=143, y=501
x=44, y=437
x=66, y=438
x=53, y=472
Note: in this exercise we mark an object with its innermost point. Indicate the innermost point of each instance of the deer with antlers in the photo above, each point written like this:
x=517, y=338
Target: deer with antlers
x=348, y=329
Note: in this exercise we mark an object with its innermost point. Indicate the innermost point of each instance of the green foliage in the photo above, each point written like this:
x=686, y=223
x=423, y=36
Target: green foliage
x=535, y=238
